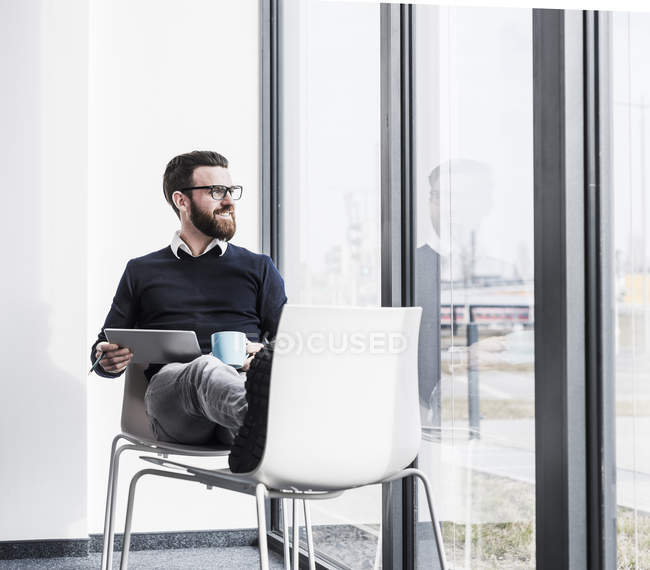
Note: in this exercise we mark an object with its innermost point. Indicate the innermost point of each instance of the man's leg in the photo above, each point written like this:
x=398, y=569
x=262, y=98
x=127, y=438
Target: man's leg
x=198, y=402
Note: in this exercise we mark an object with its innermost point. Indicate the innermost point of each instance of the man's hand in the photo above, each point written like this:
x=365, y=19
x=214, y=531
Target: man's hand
x=115, y=359
x=251, y=348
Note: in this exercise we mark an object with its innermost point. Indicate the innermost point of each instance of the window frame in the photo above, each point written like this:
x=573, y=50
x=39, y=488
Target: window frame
x=574, y=376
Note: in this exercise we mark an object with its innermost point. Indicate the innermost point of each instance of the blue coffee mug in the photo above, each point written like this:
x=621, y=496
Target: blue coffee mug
x=229, y=347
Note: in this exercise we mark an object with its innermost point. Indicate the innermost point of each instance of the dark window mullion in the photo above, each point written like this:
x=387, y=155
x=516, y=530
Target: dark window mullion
x=560, y=344
x=270, y=148
x=599, y=300
x=398, y=239
x=270, y=159
x=409, y=514
x=391, y=237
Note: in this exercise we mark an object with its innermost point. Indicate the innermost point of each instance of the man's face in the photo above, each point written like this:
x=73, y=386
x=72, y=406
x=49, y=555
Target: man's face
x=467, y=194
x=213, y=218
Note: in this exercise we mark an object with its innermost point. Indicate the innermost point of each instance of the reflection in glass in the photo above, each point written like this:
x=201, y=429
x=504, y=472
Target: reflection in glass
x=474, y=280
x=331, y=203
x=631, y=159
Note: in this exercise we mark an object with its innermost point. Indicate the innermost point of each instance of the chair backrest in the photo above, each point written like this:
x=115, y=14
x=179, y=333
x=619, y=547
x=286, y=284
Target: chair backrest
x=134, y=419
x=343, y=402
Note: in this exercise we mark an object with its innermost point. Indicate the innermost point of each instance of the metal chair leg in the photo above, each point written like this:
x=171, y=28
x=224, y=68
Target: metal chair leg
x=126, y=542
x=310, y=538
x=285, y=533
x=296, y=535
x=109, y=492
x=129, y=507
x=411, y=472
x=377, y=563
x=434, y=521
x=109, y=517
x=260, y=495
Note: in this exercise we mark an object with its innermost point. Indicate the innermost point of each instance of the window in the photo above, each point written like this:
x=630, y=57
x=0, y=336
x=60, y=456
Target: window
x=630, y=130
x=474, y=265
x=330, y=202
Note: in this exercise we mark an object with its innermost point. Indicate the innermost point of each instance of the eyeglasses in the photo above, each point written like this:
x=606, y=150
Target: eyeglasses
x=218, y=192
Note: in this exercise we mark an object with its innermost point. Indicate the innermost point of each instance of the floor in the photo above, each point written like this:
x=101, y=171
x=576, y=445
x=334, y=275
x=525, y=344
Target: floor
x=349, y=545
x=231, y=558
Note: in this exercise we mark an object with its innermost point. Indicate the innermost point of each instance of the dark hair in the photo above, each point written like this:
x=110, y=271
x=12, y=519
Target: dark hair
x=179, y=170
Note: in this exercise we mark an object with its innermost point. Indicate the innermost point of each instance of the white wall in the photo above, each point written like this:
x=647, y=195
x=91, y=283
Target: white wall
x=43, y=170
x=165, y=78
x=97, y=96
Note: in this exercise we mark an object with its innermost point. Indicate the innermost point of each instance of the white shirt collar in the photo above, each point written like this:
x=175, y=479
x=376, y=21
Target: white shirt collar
x=432, y=239
x=177, y=243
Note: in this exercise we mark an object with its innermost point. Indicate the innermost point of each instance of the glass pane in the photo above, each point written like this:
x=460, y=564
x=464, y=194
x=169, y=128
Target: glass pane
x=331, y=202
x=631, y=112
x=474, y=280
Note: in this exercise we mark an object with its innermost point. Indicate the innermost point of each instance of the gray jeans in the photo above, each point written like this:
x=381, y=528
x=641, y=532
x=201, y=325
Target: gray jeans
x=196, y=403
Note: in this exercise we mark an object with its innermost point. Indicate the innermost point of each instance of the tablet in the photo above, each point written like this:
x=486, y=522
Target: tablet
x=159, y=346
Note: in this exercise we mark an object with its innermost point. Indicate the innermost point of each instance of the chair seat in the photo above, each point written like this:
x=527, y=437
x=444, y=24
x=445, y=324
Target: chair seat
x=243, y=482
x=177, y=448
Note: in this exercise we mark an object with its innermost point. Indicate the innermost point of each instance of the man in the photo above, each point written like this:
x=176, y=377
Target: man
x=200, y=282
x=468, y=186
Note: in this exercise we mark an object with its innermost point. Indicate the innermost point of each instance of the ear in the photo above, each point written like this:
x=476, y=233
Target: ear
x=181, y=201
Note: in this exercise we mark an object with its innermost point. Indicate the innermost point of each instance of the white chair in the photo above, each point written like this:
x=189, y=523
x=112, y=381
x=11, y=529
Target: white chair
x=343, y=413
x=137, y=431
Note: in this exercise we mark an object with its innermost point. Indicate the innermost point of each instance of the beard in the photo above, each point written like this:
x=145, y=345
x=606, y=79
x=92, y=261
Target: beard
x=213, y=226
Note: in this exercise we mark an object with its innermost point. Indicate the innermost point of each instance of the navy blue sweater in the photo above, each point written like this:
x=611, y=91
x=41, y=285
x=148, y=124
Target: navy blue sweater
x=239, y=290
